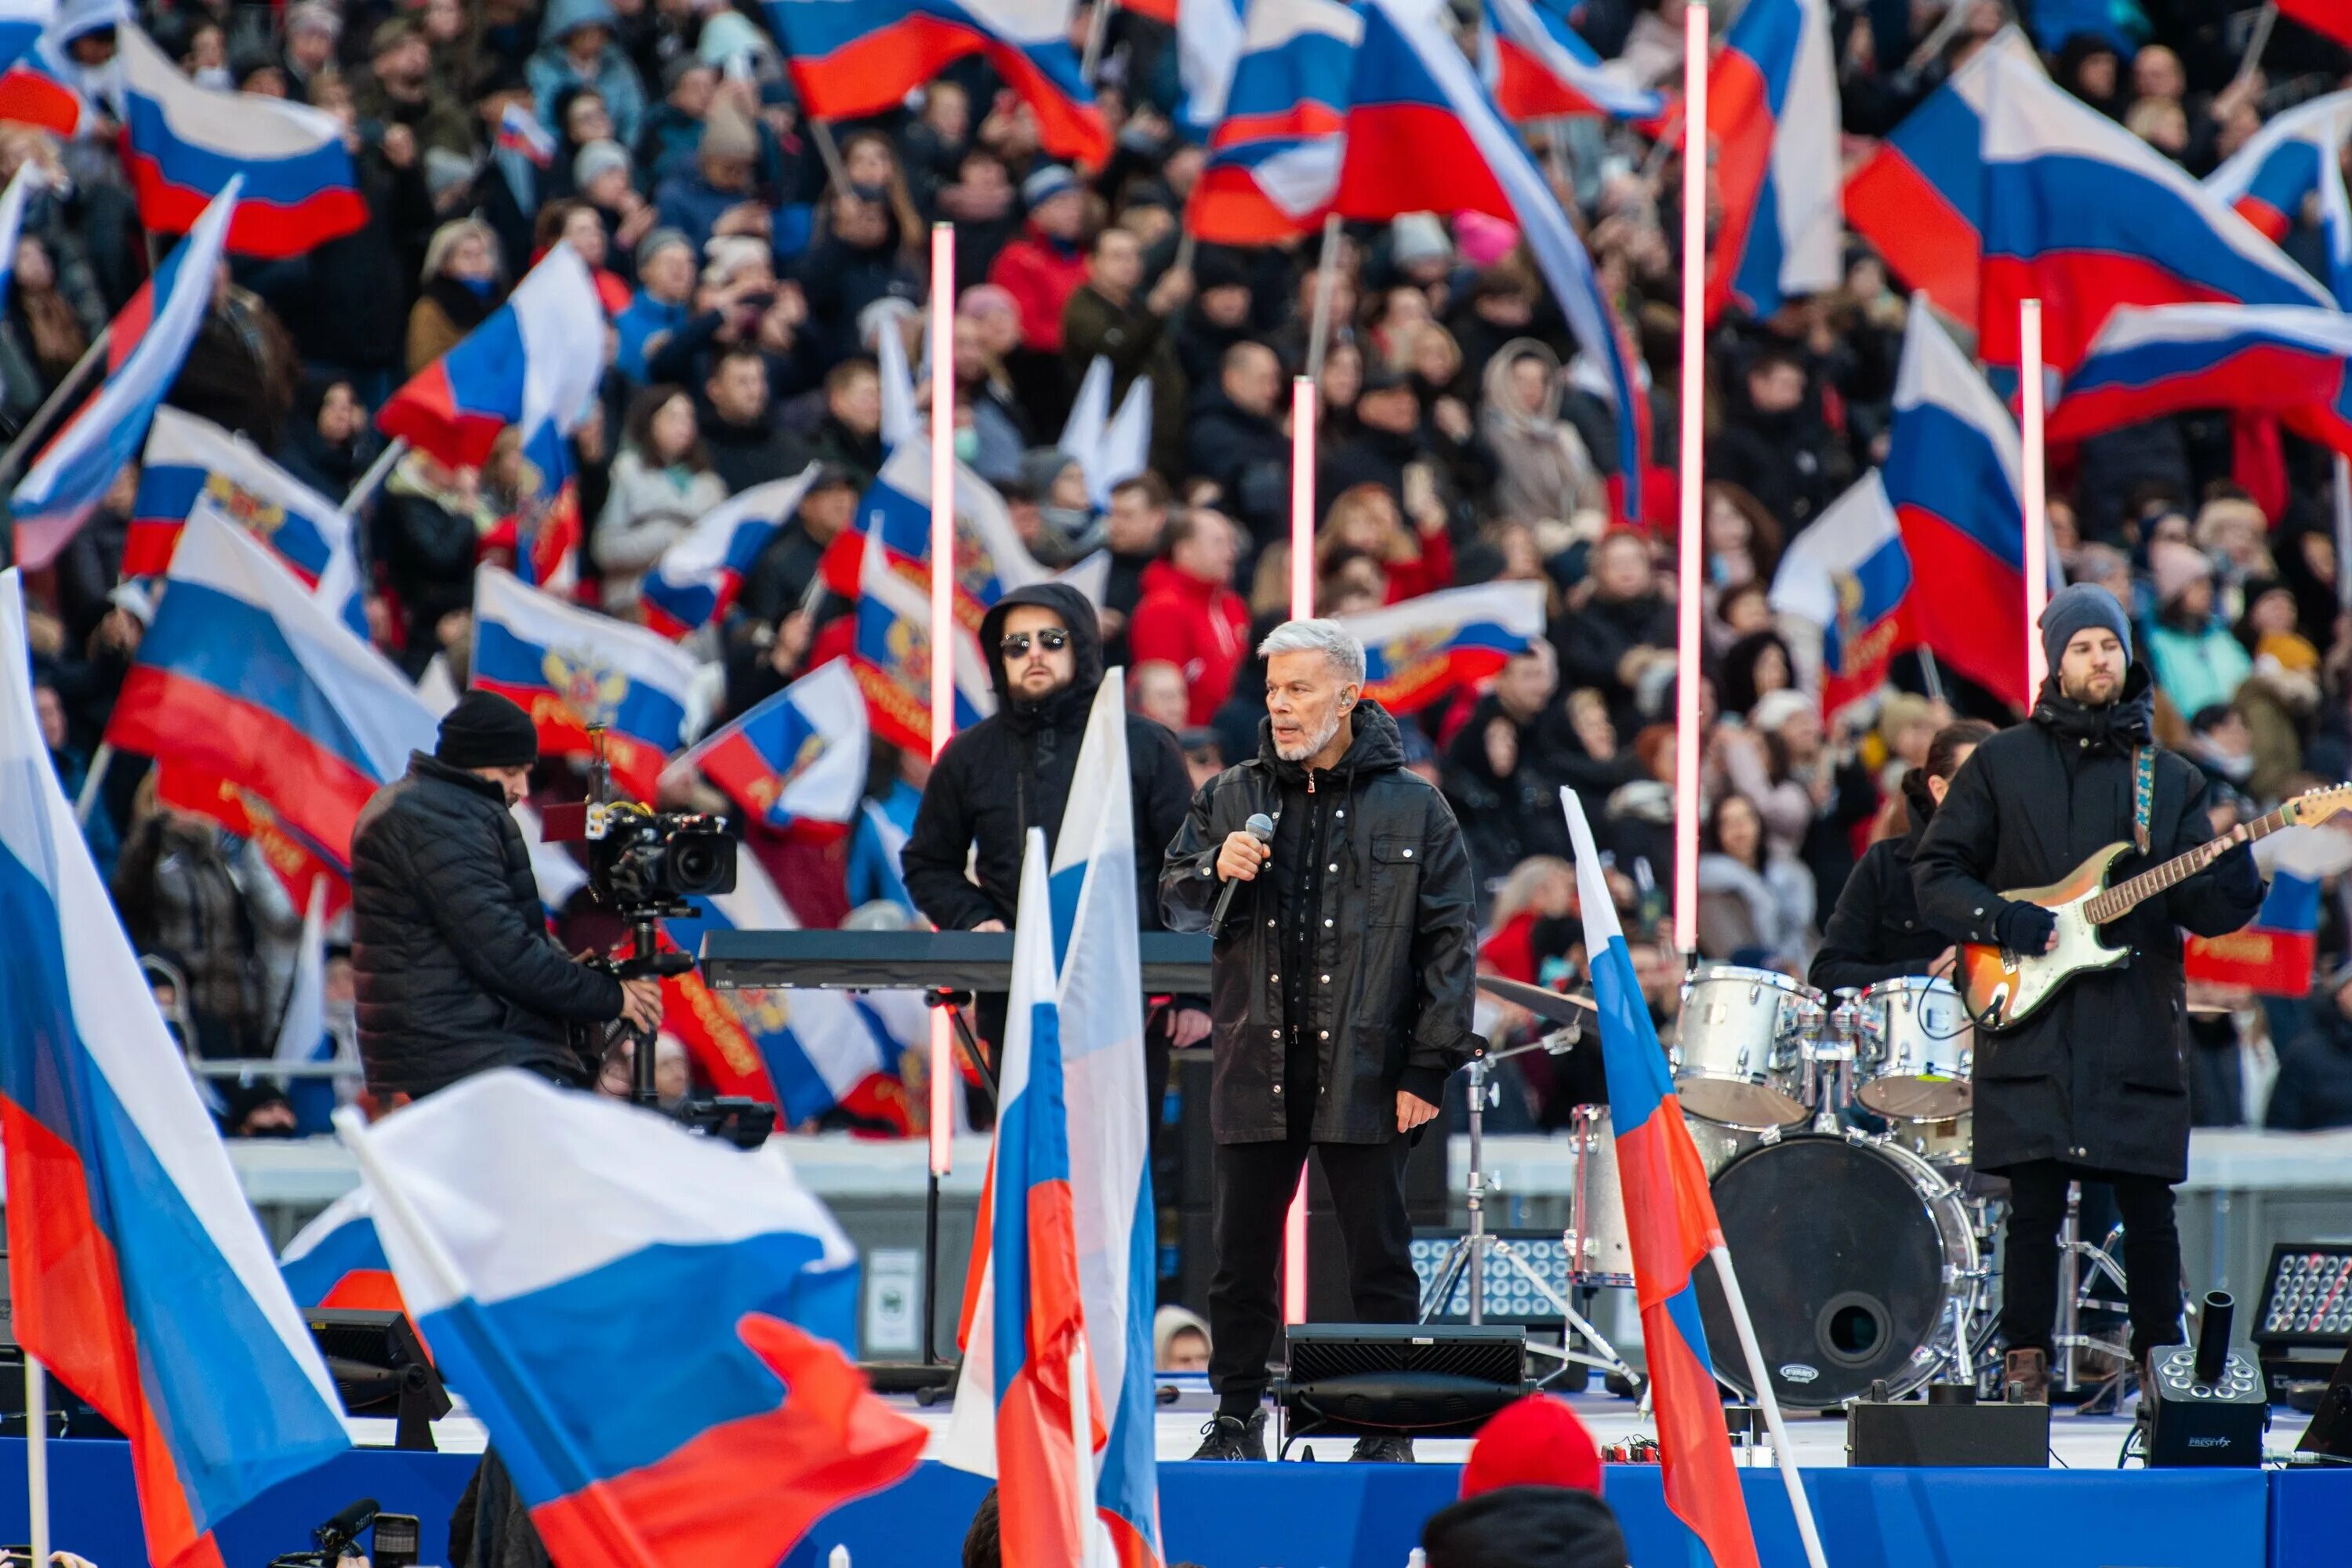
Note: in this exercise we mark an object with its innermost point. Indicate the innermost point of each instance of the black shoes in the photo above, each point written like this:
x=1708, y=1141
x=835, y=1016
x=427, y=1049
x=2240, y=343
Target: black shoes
x=1233, y=1438
x=1384, y=1450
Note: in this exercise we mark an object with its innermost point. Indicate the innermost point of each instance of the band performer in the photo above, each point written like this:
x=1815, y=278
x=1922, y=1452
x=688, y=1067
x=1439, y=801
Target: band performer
x=1875, y=932
x=2094, y=1086
x=1340, y=999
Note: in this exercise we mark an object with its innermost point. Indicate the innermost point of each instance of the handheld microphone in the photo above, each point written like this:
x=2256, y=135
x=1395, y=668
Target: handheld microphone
x=344, y=1528
x=1260, y=826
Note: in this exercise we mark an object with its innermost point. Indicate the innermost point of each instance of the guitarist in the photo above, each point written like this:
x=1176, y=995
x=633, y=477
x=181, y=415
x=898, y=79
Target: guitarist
x=2093, y=1085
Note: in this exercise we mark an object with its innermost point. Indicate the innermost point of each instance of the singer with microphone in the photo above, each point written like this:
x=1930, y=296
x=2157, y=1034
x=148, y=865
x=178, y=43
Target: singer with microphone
x=1340, y=893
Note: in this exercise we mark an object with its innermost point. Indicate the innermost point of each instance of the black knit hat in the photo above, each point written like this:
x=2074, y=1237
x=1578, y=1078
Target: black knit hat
x=487, y=731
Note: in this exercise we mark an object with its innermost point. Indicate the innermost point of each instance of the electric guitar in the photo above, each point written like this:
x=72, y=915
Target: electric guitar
x=2001, y=989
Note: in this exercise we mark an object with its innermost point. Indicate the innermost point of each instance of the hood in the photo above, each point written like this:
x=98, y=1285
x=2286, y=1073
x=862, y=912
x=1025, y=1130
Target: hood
x=1378, y=745
x=1077, y=613
x=565, y=18
x=1468, y=749
x=1525, y=1527
x=1495, y=388
x=2121, y=724
x=1163, y=577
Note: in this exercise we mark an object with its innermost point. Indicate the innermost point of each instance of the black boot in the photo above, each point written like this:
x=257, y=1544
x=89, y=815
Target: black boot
x=1234, y=1437
x=1384, y=1450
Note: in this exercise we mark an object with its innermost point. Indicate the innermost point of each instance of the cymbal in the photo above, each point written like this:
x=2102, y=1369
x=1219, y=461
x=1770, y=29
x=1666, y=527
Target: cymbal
x=1555, y=1006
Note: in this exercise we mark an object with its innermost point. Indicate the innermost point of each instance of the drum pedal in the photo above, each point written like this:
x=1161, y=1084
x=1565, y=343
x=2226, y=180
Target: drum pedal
x=1948, y=1428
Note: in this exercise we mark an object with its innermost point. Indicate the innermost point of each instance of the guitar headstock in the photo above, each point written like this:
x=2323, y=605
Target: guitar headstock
x=2311, y=810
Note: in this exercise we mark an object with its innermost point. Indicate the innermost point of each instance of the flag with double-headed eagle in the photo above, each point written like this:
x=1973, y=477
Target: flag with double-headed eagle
x=1417, y=652
x=892, y=655
x=296, y=860
x=800, y=756
x=573, y=671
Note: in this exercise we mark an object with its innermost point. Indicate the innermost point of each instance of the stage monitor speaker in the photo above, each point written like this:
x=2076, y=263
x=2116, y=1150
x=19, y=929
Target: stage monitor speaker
x=2330, y=1432
x=2207, y=1408
x=380, y=1368
x=1398, y=1380
x=1947, y=1427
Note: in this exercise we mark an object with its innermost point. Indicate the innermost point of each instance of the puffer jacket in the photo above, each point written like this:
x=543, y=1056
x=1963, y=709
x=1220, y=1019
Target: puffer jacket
x=1395, y=952
x=455, y=972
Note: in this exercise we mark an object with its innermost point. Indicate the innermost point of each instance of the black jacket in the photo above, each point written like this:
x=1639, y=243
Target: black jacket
x=2315, y=1078
x=455, y=972
x=2097, y=1077
x=1248, y=456
x=1593, y=641
x=1012, y=771
x=1388, y=993
x=1875, y=932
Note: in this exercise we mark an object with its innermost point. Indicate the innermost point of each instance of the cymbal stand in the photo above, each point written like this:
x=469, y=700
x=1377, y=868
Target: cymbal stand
x=2100, y=1255
x=1470, y=1251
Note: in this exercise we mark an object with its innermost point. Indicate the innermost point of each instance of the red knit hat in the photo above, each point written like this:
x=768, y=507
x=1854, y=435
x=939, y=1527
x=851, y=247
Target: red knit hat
x=1538, y=1442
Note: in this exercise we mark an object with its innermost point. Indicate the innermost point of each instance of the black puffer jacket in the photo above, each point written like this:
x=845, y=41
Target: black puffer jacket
x=1394, y=934
x=2099, y=1077
x=455, y=972
x=1012, y=771
x=1875, y=932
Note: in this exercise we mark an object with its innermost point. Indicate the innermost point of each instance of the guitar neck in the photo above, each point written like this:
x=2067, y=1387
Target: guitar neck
x=2124, y=896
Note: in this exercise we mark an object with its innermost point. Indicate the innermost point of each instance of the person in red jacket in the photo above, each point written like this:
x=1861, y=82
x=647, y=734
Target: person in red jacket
x=1043, y=267
x=1190, y=614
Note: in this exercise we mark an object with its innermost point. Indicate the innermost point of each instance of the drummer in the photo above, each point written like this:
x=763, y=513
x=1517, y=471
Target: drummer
x=1875, y=932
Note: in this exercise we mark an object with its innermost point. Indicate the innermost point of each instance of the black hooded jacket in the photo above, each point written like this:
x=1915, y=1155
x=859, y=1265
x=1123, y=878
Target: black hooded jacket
x=1875, y=932
x=1012, y=771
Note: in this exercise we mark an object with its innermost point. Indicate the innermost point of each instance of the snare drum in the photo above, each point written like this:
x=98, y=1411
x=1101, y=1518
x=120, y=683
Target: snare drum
x=1738, y=1048
x=1918, y=1047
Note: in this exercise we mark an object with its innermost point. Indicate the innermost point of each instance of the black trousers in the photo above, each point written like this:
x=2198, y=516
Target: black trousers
x=1253, y=1185
x=2037, y=1192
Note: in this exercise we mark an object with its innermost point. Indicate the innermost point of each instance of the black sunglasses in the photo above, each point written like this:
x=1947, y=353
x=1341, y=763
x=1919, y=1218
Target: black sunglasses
x=1053, y=639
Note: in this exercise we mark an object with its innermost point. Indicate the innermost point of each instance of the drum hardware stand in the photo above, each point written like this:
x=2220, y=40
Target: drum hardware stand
x=1469, y=1253
x=2101, y=1256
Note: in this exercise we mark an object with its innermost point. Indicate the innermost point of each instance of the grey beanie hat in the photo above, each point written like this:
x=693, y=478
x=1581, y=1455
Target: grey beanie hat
x=2076, y=607
x=597, y=158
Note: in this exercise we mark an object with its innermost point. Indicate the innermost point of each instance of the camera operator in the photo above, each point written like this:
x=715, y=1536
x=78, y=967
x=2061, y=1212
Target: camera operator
x=457, y=973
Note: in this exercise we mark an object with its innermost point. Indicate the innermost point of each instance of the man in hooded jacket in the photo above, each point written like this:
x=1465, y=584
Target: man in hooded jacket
x=1012, y=771
x=2093, y=1085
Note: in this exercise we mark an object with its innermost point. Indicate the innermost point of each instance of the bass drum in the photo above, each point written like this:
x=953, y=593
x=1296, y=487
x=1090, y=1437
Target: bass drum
x=1858, y=1262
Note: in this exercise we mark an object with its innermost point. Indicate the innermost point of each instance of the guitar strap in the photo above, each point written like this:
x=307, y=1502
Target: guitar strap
x=2143, y=793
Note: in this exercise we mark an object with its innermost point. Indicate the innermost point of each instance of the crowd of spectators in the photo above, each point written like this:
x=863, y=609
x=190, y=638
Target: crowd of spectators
x=1465, y=438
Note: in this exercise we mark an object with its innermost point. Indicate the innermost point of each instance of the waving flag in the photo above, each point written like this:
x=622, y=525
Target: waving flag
x=297, y=861
x=2269, y=179
x=529, y=1226
x=39, y=89
x=899, y=418
x=1849, y=575
x=799, y=756
x=184, y=143
x=892, y=654
x=1417, y=652
x=990, y=560
x=850, y=59
x=696, y=580
x=533, y=364
x=2326, y=17
x=136, y=1271
x=337, y=1261
x=1274, y=159
x=27, y=179
x=2275, y=953
x=1026, y=1409
x=1109, y=448
x=245, y=677
x=2086, y=217
x=805, y=1051
x=1772, y=115
x=572, y=669
x=521, y=132
x=1537, y=67
x=1091, y=1055
x=302, y=1036
x=22, y=23
x=1919, y=197
x=66, y=483
x=1208, y=46
x=1951, y=473
x=1670, y=1217
x=2288, y=360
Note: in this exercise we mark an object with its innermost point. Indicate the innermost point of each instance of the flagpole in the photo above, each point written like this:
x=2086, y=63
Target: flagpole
x=829, y=152
x=1692, y=408
x=2344, y=532
x=943, y=630
x=1327, y=267
x=103, y=758
x=1785, y=1456
x=1304, y=403
x=2036, y=504
x=36, y=1456
x=67, y=389
x=2257, y=41
x=1097, y=31
x=377, y=472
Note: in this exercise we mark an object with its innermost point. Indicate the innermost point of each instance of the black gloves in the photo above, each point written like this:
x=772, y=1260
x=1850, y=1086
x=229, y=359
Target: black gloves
x=2024, y=928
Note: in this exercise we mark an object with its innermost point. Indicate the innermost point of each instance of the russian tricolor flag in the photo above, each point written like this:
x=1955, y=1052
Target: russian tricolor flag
x=27, y=179
x=535, y=364
x=1670, y=1217
x=1919, y=197
x=184, y=144
x=1849, y=575
x=1772, y=116
x=2269, y=178
x=2330, y=18
x=990, y=560
x=245, y=677
x=892, y=652
x=536, y=1231
x=66, y=483
x=136, y=1271
x=1537, y=67
x=1273, y=158
x=1208, y=46
x=521, y=132
x=38, y=89
x=22, y=23
x=800, y=756
x=850, y=59
x=293, y=856
x=572, y=669
x=1417, y=652
x=336, y=1261
x=2284, y=360
x=2086, y=217
x=696, y=580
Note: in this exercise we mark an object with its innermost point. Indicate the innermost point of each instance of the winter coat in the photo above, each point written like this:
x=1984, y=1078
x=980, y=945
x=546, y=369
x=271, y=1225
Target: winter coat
x=1012, y=771
x=648, y=511
x=2096, y=1077
x=1395, y=938
x=1248, y=456
x=615, y=79
x=1741, y=908
x=2314, y=1089
x=1875, y=932
x=754, y=454
x=1201, y=628
x=455, y=970
x=1041, y=274
x=1137, y=343
x=442, y=316
x=1593, y=641
x=1506, y=817
x=2196, y=668
x=1543, y=469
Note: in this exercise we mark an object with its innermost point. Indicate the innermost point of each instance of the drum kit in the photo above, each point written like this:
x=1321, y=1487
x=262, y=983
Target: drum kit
x=1835, y=1132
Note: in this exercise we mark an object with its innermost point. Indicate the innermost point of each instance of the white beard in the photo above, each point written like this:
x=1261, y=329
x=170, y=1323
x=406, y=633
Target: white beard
x=1307, y=748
